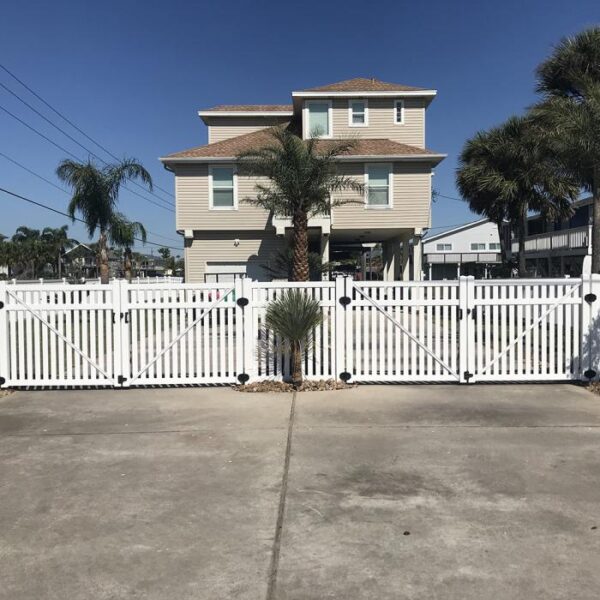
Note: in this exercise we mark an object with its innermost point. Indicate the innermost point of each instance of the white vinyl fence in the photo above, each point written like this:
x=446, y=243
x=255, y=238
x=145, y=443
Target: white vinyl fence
x=135, y=334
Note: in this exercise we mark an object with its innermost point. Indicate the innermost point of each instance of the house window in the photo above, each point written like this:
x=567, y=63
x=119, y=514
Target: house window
x=443, y=247
x=318, y=119
x=378, y=185
x=399, y=112
x=494, y=246
x=222, y=185
x=477, y=247
x=358, y=115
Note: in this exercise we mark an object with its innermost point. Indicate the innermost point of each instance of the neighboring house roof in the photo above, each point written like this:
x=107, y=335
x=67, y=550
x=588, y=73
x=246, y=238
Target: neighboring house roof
x=458, y=229
x=77, y=247
x=364, y=84
x=230, y=148
x=251, y=108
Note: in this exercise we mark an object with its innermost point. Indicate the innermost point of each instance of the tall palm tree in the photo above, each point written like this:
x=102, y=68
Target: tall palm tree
x=58, y=241
x=507, y=171
x=96, y=194
x=123, y=233
x=570, y=113
x=303, y=176
x=29, y=250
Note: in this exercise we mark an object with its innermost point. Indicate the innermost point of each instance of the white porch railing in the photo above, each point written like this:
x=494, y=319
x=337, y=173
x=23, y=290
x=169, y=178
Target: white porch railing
x=566, y=239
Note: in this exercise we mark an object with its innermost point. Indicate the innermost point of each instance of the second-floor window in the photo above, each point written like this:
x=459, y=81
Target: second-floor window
x=494, y=246
x=358, y=113
x=378, y=185
x=476, y=247
x=443, y=247
x=222, y=187
x=317, y=118
x=399, y=112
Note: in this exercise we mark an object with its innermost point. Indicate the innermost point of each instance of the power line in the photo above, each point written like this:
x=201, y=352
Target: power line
x=449, y=197
x=18, y=164
x=62, y=116
x=59, y=212
x=62, y=149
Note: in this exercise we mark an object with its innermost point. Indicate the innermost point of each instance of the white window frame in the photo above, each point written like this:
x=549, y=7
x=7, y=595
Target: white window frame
x=398, y=103
x=305, y=130
x=366, y=103
x=390, y=203
x=478, y=244
x=210, y=186
x=438, y=249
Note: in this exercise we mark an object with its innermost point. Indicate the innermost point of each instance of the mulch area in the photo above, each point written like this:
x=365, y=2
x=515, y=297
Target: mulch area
x=320, y=385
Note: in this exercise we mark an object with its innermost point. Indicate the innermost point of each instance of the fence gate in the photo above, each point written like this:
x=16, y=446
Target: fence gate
x=402, y=331
x=57, y=335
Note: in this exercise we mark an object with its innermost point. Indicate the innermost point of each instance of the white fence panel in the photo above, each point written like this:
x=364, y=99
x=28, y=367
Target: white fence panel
x=402, y=331
x=270, y=360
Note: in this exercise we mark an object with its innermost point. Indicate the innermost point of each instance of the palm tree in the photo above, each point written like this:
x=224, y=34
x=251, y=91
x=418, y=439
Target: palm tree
x=123, y=233
x=570, y=113
x=96, y=194
x=293, y=317
x=58, y=241
x=282, y=265
x=29, y=250
x=507, y=171
x=303, y=175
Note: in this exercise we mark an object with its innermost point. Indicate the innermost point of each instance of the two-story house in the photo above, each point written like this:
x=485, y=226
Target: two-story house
x=226, y=237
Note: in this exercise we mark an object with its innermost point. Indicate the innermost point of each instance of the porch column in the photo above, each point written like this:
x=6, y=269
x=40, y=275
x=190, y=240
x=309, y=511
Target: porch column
x=405, y=267
x=417, y=258
x=325, y=252
x=388, y=261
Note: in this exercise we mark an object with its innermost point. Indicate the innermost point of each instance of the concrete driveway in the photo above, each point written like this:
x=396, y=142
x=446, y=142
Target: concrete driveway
x=379, y=492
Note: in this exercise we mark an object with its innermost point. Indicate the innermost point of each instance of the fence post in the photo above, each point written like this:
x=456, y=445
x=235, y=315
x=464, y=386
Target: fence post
x=118, y=349
x=590, y=324
x=466, y=338
x=247, y=370
x=4, y=347
x=341, y=285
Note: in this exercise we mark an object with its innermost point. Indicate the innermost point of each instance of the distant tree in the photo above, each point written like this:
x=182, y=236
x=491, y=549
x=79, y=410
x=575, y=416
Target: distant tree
x=58, y=242
x=123, y=234
x=570, y=114
x=507, y=171
x=96, y=194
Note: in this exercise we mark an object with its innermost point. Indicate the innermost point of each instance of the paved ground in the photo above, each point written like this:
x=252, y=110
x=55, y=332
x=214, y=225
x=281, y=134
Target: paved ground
x=384, y=492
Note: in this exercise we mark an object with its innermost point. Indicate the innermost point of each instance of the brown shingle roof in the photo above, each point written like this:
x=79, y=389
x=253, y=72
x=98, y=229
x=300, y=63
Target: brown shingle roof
x=364, y=84
x=250, y=108
x=250, y=141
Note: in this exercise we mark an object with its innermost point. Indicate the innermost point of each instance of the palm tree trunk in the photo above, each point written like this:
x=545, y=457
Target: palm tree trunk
x=103, y=256
x=300, y=270
x=521, y=236
x=296, y=352
x=127, y=263
x=59, y=264
x=596, y=221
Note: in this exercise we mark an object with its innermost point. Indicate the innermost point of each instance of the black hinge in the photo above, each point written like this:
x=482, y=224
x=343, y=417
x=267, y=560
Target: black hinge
x=472, y=311
x=590, y=374
x=243, y=377
x=1, y=304
x=2, y=381
x=121, y=380
x=345, y=376
x=345, y=300
x=467, y=376
x=242, y=302
x=589, y=298
x=125, y=316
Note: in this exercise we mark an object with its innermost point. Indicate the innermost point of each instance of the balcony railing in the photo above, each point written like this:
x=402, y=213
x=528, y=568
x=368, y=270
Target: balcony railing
x=567, y=239
x=462, y=257
x=322, y=221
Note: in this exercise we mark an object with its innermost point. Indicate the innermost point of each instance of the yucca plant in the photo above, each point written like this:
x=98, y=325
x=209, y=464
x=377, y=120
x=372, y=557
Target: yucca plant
x=293, y=317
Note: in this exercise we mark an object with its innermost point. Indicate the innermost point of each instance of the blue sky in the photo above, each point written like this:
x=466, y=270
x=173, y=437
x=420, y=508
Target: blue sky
x=133, y=74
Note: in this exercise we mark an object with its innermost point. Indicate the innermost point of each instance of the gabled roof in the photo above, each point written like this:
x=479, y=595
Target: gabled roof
x=363, y=85
x=454, y=230
x=250, y=108
x=364, y=148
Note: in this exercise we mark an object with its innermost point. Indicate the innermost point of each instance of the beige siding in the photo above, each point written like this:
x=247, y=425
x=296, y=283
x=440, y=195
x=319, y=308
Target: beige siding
x=411, y=200
x=381, y=121
x=257, y=249
x=191, y=188
x=223, y=128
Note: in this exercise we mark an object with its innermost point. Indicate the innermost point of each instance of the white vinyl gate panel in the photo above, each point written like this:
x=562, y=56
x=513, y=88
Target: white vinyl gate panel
x=402, y=331
x=526, y=330
x=59, y=335
x=180, y=334
x=272, y=361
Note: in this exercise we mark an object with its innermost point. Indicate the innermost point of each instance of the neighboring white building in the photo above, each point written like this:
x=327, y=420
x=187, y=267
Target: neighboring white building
x=471, y=249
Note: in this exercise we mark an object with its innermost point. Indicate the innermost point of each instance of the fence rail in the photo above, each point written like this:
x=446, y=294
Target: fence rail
x=134, y=334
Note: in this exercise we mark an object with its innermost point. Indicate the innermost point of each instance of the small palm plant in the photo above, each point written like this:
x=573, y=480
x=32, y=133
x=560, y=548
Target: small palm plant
x=293, y=317
x=123, y=233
